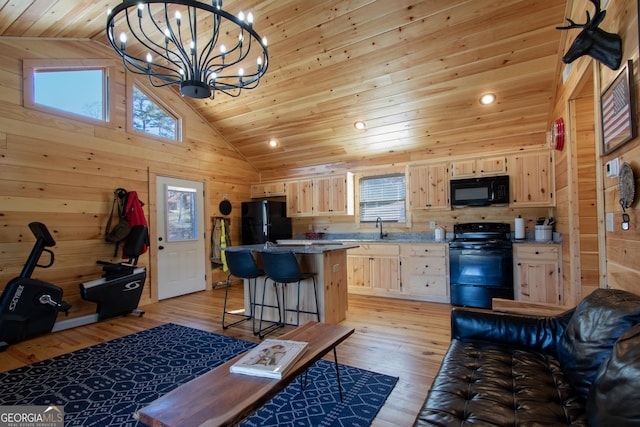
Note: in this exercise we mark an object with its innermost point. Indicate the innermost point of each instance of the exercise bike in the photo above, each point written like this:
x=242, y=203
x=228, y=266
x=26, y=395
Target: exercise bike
x=119, y=290
x=29, y=307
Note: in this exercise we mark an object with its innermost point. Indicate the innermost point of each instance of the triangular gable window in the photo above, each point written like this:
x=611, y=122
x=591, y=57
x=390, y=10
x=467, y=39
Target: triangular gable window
x=152, y=118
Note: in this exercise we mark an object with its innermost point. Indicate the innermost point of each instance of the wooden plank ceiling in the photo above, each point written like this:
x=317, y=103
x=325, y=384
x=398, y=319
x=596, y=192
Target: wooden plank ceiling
x=412, y=70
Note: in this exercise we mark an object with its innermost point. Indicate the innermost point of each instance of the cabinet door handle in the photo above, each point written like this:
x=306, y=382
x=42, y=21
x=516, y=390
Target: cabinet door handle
x=426, y=266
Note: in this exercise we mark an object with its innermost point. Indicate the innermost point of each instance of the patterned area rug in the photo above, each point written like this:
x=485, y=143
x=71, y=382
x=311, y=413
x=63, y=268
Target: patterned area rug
x=104, y=385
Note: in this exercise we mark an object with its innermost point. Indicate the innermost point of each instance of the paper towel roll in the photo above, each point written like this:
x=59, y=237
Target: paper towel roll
x=519, y=232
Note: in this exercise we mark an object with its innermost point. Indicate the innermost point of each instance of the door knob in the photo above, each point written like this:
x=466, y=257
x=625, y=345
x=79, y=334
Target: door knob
x=160, y=248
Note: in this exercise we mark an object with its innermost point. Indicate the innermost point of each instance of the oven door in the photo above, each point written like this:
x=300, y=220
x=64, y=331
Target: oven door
x=481, y=266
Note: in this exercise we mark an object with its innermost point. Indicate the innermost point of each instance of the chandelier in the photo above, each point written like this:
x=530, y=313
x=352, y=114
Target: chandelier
x=196, y=45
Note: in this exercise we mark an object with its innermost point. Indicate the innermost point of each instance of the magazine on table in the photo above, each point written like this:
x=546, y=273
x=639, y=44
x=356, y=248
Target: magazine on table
x=271, y=358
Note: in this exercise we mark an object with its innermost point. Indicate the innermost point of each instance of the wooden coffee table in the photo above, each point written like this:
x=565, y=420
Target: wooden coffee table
x=220, y=398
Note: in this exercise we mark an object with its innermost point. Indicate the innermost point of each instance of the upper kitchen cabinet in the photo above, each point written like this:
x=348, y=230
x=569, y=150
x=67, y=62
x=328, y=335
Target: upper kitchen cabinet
x=334, y=195
x=268, y=189
x=531, y=179
x=478, y=167
x=428, y=186
x=300, y=198
x=492, y=165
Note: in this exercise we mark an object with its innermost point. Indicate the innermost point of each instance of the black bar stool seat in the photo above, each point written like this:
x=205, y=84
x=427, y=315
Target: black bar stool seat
x=283, y=268
x=242, y=265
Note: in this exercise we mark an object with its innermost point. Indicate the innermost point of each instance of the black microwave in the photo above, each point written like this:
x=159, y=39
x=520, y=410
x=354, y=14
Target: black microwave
x=482, y=191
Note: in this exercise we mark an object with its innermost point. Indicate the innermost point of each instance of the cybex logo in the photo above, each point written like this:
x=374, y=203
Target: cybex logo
x=131, y=286
x=16, y=298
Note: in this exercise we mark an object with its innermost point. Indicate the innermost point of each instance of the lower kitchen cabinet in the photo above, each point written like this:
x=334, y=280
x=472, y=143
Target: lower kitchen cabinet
x=425, y=271
x=537, y=273
x=374, y=269
x=406, y=270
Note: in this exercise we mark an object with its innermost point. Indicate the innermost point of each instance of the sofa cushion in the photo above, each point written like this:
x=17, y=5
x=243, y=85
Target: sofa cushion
x=488, y=384
x=613, y=397
x=595, y=326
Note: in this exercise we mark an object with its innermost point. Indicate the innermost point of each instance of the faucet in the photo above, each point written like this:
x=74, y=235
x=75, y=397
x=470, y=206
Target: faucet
x=379, y=221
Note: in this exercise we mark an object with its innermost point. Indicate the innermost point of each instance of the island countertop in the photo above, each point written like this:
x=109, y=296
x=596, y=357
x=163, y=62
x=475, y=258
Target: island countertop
x=328, y=261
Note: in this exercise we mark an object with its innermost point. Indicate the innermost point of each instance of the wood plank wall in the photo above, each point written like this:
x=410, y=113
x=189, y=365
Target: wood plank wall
x=618, y=248
x=63, y=172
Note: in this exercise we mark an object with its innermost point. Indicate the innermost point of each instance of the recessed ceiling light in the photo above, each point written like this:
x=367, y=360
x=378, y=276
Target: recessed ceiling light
x=360, y=125
x=488, y=98
x=273, y=143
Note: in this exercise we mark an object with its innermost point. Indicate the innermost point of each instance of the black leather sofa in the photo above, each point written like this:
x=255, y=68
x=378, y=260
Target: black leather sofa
x=580, y=368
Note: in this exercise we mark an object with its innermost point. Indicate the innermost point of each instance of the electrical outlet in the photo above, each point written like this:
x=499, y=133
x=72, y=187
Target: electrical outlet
x=310, y=227
x=609, y=221
x=432, y=224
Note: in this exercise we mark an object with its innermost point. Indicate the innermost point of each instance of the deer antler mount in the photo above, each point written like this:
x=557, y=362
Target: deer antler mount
x=593, y=41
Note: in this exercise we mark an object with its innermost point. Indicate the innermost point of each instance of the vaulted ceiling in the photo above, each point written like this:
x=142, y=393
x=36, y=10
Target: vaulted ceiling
x=412, y=70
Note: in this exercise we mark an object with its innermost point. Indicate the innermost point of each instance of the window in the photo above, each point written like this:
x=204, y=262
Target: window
x=182, y=214
x=384, y=197
x=77, y=89
x=149, y=117
x=74, y=88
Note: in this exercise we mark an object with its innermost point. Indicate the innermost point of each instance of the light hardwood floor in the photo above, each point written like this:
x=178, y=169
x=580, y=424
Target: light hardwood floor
x=396, y=337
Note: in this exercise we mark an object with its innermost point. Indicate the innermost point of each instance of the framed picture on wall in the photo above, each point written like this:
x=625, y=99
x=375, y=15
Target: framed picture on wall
x=616, y=105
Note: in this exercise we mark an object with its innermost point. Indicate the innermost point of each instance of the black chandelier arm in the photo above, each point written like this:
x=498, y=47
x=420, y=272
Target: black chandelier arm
x=147, y=68
x=167, y=55
x=207, y=51
x=240, y=57
x=193, y=29
x=182, y=58
x=132, y=64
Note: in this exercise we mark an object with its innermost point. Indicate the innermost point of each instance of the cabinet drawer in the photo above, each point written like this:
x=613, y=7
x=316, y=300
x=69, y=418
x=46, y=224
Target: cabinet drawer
x=431, y=250
x=425, y=266
x=536, y=252
x=426, y=286
x=375, y=249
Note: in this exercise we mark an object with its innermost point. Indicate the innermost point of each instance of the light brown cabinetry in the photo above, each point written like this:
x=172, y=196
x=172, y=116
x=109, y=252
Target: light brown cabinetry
x=334, y=195
x=537, y=273
x=300, y=198
x=478, y=167
x=429, y=186
x=492, y=165
x=268, y=189
x=374, y=269
x=531, y=179
x=425, y=271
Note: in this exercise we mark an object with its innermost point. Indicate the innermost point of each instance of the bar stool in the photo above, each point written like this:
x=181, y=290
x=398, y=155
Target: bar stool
x=282, y=268
x=242, y=265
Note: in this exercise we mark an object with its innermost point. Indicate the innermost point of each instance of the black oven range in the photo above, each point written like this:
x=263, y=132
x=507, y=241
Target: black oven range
x=480, y=264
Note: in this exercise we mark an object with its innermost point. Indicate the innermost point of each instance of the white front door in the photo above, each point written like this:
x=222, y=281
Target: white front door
x=181, y=241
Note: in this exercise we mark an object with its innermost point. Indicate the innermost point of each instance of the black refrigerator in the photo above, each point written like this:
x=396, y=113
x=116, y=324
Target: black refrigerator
x=264, y=221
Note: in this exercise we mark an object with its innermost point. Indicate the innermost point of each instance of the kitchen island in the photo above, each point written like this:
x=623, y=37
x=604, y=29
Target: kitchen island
x=328, y=261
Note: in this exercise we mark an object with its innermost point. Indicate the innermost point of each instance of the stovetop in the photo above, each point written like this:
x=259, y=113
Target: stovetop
x=482, y=232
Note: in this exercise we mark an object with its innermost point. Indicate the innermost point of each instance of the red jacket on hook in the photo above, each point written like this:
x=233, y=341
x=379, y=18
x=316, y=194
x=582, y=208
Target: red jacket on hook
x=134, y=214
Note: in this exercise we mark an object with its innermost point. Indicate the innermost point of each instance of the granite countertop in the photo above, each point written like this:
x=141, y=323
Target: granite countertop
x=375, y=238
x=402, y=238
x=535, y=242
x=310, y=248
